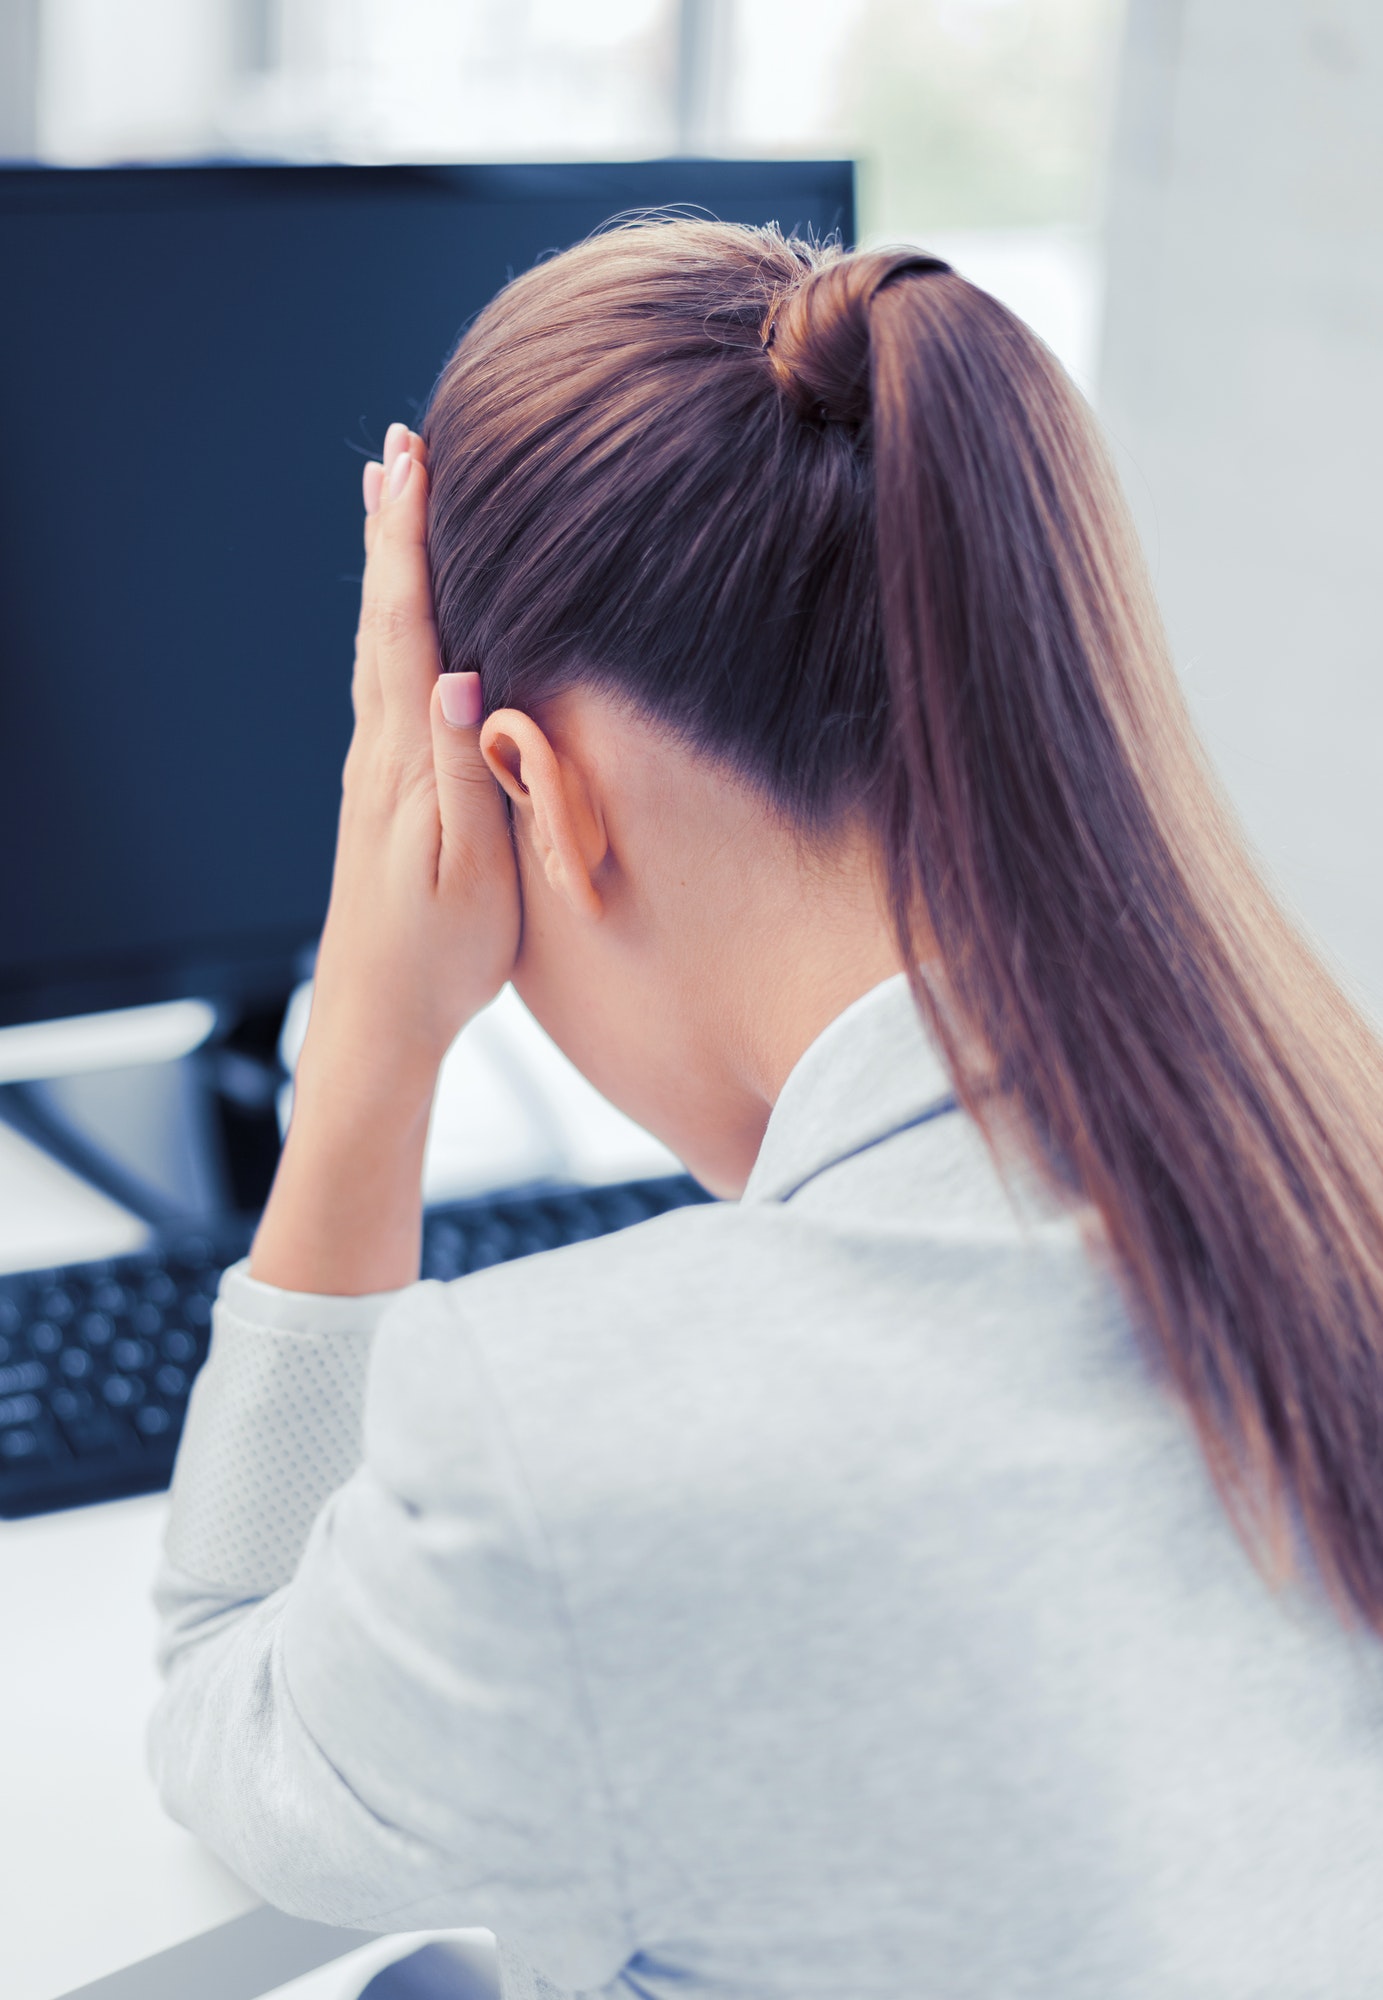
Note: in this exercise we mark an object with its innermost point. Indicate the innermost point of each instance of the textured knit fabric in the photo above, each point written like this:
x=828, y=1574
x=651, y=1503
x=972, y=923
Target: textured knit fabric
x=811, y=1596
x=285, y=1422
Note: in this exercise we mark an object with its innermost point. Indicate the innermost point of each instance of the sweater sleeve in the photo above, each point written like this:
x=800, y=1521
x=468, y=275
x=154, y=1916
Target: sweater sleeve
x=372, y=1706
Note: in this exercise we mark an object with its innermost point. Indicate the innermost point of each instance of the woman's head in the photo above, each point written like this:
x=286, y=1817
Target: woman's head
x=835, y=532
x=635, y=537
x=624, y=497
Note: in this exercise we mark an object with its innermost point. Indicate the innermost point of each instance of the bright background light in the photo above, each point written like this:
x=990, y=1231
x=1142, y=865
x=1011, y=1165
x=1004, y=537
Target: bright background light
x=980, y=126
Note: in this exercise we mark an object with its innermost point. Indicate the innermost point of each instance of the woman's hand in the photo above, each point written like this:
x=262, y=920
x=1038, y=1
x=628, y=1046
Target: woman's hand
x=421, y=930
x=423, y=922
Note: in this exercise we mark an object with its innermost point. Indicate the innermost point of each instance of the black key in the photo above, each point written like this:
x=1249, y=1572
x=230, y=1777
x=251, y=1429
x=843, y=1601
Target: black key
x=110, y=1298
x=196, y=1309
x=486, y=1247
x=581, y=1226
x=528, y=1238
x=170, y=1381
x=159, y=1289
x=58, y=1305
x=97, y=1330
x=146, y=1318
x=5, y=1350
x=75, y=1364
x=619, y=1207
x=153, y=1421
x=44, y=1337
x=10, y=1316
x=444, y=1252
x=25, y=1446
x=94, y=1436
x=19, y=1410
x=69, y=1403
x=128, y=1355
x=122, y=1391
x=22, y=1375
x=194, y=1253
x=177, y=1345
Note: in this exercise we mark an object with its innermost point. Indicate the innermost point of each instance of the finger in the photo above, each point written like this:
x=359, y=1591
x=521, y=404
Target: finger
x=372, y=484
x=397, y=631
x=474, y=824
x=398, y=439
x=365, y=680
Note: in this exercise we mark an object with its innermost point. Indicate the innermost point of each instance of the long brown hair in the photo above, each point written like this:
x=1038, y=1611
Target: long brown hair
x=841, y=522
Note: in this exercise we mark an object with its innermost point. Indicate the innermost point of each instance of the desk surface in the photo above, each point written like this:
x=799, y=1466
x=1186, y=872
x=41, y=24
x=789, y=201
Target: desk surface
x=95, y=1876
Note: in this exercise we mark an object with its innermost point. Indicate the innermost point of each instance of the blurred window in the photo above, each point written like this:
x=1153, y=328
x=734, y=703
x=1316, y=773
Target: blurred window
x=356, y=79
x=963, y=113
x=980, y=126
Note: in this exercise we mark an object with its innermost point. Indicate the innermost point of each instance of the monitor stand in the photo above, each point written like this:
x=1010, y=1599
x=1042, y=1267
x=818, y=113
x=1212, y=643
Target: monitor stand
x=173, y=1142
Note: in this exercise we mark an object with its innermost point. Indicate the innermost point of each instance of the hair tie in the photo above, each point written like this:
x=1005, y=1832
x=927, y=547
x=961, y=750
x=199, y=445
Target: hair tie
x=816, y=336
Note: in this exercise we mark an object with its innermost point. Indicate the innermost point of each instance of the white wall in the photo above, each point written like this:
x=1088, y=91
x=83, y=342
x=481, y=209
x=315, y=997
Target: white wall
x=131, y=82
x=1242, y=379
x=18, y=68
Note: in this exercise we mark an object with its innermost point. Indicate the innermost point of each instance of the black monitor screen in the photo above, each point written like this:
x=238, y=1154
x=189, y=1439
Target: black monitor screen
x=194, y=363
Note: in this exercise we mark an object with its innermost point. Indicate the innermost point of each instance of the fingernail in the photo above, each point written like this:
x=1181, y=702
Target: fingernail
x=374, y=480
x=395, y=441
x=461, y=700
x=398, y=474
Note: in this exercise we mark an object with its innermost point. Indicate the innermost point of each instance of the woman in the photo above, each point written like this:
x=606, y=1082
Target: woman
x=954, y=1567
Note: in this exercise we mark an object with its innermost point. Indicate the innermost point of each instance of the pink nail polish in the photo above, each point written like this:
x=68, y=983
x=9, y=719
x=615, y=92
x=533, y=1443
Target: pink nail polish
x=461, y=700
x=398, y=474
x=395, y=441
x=374, y=481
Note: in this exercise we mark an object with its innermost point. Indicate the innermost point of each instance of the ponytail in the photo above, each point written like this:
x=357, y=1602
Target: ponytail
x=1109, y=964
x=868, y=550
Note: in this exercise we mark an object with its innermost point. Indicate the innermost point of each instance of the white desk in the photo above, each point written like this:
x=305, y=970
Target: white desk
x=94, y=1875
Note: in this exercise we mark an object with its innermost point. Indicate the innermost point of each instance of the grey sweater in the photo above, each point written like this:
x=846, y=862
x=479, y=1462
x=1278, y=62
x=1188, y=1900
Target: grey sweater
x=811, y=1596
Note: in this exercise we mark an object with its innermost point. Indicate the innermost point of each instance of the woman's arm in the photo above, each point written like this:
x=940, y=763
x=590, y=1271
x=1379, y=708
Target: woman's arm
x=370, y=1706
x=421, y=931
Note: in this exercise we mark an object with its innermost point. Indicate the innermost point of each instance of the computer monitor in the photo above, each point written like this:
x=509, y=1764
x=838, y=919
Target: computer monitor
x=194, y=362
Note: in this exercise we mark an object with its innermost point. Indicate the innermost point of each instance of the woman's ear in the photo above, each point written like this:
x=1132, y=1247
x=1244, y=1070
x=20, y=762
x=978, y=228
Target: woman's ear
x=551, y=795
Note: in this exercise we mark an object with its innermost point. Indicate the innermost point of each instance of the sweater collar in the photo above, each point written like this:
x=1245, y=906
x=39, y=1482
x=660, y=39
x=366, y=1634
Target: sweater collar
x=871, y=1072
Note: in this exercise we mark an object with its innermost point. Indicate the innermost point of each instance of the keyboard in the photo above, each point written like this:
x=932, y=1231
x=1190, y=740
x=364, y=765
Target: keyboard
x=96, y=1360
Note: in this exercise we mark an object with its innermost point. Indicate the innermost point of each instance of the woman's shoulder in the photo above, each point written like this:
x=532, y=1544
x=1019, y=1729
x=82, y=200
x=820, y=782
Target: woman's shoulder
x=569, y=1306
x=753, y=1327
